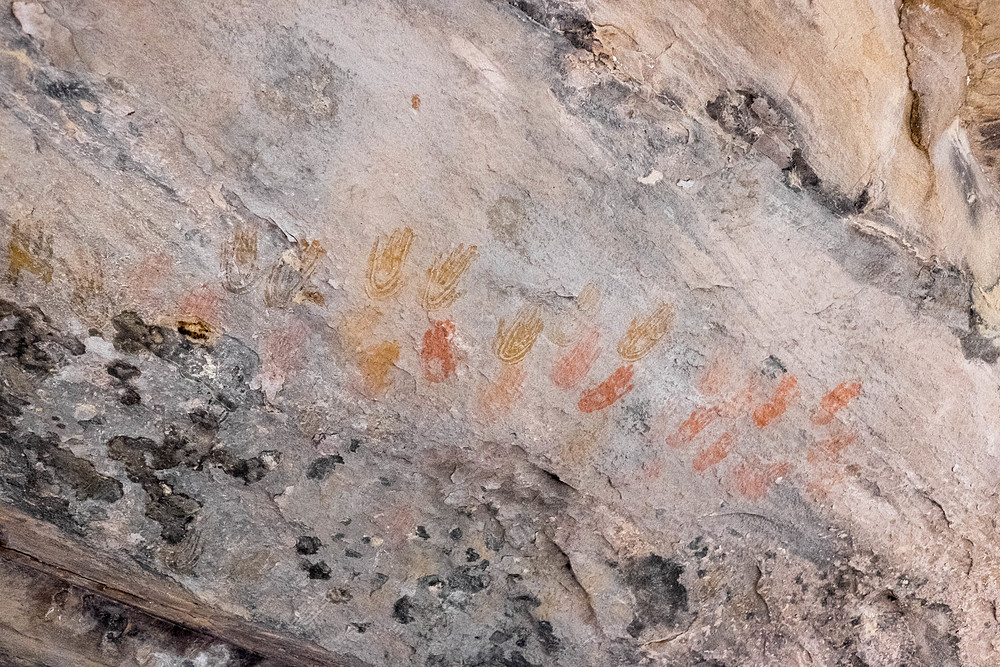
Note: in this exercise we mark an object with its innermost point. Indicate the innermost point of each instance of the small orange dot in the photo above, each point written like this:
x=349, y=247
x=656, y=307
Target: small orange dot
x=415, y=102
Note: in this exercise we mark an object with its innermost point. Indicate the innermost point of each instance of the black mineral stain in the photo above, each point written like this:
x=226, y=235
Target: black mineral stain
x=322, y=467
x=351, y=553
x=773, y=367
x=308, y=545
x=757, y=120
x=232, y=364
x=455, y=534
x=422, y=533
x=659, y=593
x=401, y=610
x=976, y=346
x=970, y=187
x=562, y=17
x=471, y=555
x=317, y=570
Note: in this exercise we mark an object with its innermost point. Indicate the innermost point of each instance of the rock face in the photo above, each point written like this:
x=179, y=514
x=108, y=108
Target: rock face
x=488, y=333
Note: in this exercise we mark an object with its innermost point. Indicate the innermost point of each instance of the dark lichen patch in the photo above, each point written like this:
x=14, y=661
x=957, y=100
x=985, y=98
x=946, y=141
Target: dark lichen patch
x=174, y=511
x=123, y=371
x=455, y=533
x=378, y=581
x=422, y=533
x=317, y=570
x=323, y=467
x=351, y=553
x=401, y=610
x=226, y=367
x=28, y=339
x=248, y=470
x=67, y=90
x=144, y=457
x=471, y=555
x=307, y=545
x=659, y=594
x=204, y=420
x=547, y=638
x=134, y=336
x=41, y=477
x=635, y=417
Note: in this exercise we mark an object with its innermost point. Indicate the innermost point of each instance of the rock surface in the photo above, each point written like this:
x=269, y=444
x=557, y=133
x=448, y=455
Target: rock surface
x=488, y=333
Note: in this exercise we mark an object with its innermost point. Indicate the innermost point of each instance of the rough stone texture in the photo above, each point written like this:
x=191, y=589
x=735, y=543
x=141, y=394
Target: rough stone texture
x=487, y=333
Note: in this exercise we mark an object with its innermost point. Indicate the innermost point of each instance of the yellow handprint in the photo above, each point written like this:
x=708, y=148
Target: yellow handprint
x=385, y=263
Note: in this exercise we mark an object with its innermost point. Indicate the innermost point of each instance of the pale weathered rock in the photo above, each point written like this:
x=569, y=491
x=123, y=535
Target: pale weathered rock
x=486, y=333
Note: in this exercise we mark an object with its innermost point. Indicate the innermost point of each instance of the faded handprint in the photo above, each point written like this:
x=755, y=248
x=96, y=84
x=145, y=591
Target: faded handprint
x=568, y=325
x=240, y=266
x=291, y=273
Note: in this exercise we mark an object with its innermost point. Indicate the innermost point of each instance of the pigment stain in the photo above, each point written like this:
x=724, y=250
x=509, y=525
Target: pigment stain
x=29, y=250
x=436, y=354
x=835, y=400
x=498, y=397
x=376, y=364
x=773, y=409
x=696, y=422
x=831, y=449
x=714, y=453
x=608, y=392
x=574, y=365
x=754, y=480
